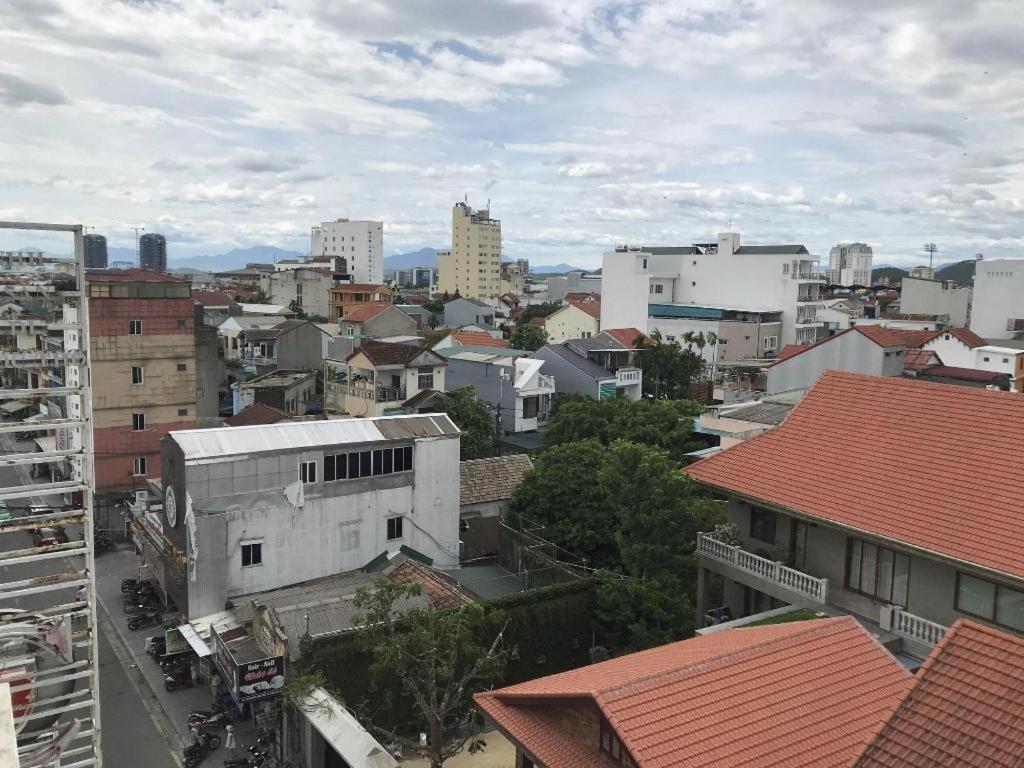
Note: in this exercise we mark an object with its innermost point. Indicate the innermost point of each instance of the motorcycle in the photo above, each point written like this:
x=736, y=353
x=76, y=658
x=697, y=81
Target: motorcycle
x=194, y=753
x=218, y=720
x=216, y=709
x=175, y=662
x=134, y=585
x=132, y=607
x=156, y=646
x=256, y=758
x=144, y=619
x=178, y=678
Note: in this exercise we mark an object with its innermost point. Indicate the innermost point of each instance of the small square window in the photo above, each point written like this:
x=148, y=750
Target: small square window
x=137, y=375
x=139, y=466
x=307, y=471
x=394, y=528
x=252, y=553
x=182, y=367
x=135, y=327
x=762, y=525
x=183, y=411
x=138, y=422
x=693, y=283
x=181, y=323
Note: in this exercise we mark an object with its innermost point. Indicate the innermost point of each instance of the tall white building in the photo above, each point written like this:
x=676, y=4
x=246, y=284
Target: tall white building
x=997, y=309
x=360, y=243
x=473, y=266
x=754, y=298
x=850, y=264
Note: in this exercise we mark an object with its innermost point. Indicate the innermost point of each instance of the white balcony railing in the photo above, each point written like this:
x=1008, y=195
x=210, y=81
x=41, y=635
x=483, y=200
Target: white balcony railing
x=378, y=394
x=896, y=620
x=796, y=581
x=625, y=376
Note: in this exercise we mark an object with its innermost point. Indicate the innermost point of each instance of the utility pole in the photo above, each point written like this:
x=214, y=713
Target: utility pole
x=138, y=253
x=930, y=249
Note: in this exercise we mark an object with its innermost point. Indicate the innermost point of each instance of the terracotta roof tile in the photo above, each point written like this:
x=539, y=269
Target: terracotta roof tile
x=964, y=335
x=950, y=458
x=760, y=696
x=964, y=374
x=627, y=336
x=492, y=479
x=582, y=296
x=260, y=413
x=212, y=299
x=366, y=311
x=965, y=709
x=789, y=350
x=918, y=359
x=440, y=590
x=477, y=339
x=592, y=308
x=392, y=353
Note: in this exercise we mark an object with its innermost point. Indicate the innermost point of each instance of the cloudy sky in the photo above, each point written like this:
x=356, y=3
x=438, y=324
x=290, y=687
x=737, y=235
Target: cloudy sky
x=237, y=122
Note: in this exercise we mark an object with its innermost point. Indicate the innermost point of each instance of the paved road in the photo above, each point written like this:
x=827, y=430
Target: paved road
x=129, y=736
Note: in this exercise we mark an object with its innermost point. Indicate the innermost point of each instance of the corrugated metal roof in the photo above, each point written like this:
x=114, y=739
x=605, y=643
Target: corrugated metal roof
x=265, y=438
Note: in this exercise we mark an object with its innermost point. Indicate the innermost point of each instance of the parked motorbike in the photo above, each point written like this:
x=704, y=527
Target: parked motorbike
x=132, y=607
x=178, y=678
x=218, y=720
x=133, y=585
x=140, y=620
x=216, y=709
x=177, y=661
x=194, y=753
x=156, y=646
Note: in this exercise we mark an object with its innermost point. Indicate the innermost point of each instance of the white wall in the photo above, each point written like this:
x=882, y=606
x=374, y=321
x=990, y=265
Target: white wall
x=851, y=351
x=361, y=243
x=933, y=297
x=570, y=323
x=998, y=297
x=624, y=290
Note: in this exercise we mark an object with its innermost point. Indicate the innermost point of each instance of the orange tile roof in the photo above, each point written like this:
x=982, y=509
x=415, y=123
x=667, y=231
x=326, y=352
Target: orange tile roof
x=212, y=298
x=965, y=709
x=592, y=308
x=917, y=359
x=440, y=589
x=949, y=458
x=364, y=312
x=889, y=337
x=789, y=350
x=133, y=275
x=964, y=335
x=627, y=336
x=759, y=696
x=477, y=339
x=259, y=413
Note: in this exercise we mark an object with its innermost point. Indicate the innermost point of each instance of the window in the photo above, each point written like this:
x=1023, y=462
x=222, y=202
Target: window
x=138, y=422
x=877, y=572
x=611, y=745
x=785, y=269
x=985, y=359
x=139, y=466
x=762, y=525
x=394, y=528
x=135, y=327
x=181, y=323
x=530, y=407
x=991, y=601
x=659, y=288
x=771, y=342
x=182, y=367
x=425, y=378
x=307, y=471
x=693, y=283
x=252, y=553
x=645, y=264
x=184, y=411
x=137, y=376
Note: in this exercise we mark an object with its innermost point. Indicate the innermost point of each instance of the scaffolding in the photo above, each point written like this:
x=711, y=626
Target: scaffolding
x=49, y=687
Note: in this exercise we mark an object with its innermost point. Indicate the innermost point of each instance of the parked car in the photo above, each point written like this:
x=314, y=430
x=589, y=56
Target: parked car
x=48, y=537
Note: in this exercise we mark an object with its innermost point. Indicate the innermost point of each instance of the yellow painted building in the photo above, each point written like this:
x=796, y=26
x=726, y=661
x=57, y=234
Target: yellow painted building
x=473, y=267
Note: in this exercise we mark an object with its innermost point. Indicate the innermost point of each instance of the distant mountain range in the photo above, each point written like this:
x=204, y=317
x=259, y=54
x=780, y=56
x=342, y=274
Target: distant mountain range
x=237, y=257
x=960, y=272
x=556, y=269
x=424, y=257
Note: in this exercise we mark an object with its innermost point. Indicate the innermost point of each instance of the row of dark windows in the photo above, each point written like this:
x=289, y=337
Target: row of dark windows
x=382, y=461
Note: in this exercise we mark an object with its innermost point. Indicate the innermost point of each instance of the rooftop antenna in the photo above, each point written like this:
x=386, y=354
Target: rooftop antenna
x=930, y=249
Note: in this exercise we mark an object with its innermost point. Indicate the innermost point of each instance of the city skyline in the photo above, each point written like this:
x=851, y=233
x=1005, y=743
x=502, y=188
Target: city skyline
x=226, y=125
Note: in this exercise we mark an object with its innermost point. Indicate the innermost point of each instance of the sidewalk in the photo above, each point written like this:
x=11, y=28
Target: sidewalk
x=111, y=568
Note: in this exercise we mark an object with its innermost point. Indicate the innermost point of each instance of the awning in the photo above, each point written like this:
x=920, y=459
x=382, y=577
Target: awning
x=202, y=649
x=343, y=732
x=47, y=444
x=14, y=406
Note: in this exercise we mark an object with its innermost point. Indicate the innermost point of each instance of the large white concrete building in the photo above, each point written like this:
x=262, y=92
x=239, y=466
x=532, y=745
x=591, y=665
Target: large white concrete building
x=997, y=310
x=936, y=297
x=249, y=509
x=850, y=264
x=772, y=290
x=473, y=265
x=360, y=243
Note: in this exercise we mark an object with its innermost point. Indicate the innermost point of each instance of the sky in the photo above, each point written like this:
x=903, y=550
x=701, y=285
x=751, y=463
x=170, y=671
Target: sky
x=229, y=123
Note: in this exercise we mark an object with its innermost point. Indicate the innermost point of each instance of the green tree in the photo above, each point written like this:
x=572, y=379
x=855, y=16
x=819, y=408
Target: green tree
x=474, y=419
x=668, y=369
x=295, y=307
x=568, y=493
x=528, y=337
x=436, y=306
x=258, y=297
x=539, y=310
x=666, y=424
x=438, y=657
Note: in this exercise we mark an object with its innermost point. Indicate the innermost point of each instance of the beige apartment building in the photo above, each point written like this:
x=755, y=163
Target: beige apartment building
x=473, y=266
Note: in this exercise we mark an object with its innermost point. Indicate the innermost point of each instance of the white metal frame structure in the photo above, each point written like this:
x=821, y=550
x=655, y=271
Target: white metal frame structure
x=39, y=584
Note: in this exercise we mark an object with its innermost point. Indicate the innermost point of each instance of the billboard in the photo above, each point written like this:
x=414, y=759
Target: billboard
x=251, y=680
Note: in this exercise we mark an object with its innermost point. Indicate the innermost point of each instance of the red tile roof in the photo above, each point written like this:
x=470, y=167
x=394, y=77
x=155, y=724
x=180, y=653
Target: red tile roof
x=917, y=359
x=949, y=458
x=582, y=296
x=883, y=337
x=627, y=336
x=789, y=350
x=965, y=709
x=440, y=589
x=541, y=321
x=212, y=299
x=477, y=339
x=910, y=318
x=592, y=308
x=964, y=374
x=964, y=335
x=364, y=312
x=889, y=337
x=760, y=696
x=259, y=413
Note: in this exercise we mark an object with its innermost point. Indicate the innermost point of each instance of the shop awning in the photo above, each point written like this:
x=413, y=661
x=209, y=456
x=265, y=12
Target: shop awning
x=188, y=632
x=47, y=444
x=343, y=732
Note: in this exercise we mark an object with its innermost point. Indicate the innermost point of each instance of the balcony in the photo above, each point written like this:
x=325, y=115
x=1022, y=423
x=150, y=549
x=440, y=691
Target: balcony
x=920, y=632
x=770, y=571
x=377, y=394
x=626, y=376
x=807, y=315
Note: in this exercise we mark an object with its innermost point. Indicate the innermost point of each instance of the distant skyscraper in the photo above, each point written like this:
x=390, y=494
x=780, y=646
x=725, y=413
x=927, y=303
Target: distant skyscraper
x=360, y=243
x=473, y=266
x=850, y=264
x=95, y=251
x=153, y=252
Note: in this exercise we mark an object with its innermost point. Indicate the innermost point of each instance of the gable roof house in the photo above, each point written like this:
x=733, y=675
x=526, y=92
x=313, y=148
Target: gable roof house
x=485, y=492
x=886, y=497
x=374, y=320
x=295, y=345
x=462, y=311
x=346, y=297
x=867, y=349
x=600, y=367
x=466, y=338
x=574, y=320
x=383, y=376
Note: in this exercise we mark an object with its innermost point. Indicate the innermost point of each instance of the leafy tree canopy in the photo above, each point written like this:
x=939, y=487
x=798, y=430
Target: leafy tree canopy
x=539, y=310
x=668, y=369
x=474, y=419
x=528, y=337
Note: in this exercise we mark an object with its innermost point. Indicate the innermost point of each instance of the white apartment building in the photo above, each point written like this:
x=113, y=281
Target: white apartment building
x=249, y=509
x=936, y=297
x=473, y=265
x=308, y=287
x=997, y=310
x=850, y=264
x=663, y=289
x=360, y=243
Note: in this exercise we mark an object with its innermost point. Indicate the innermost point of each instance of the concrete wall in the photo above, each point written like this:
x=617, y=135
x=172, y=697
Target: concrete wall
x=998, y=297
x=569, y=322
x=935, y=297
x=484, y=378
x=300, y=349
x=479, y=529
x=624, y=290
x=850, y=351
x=391, y=322
x=571, y=380
x=316, y=290
x=459, y=312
